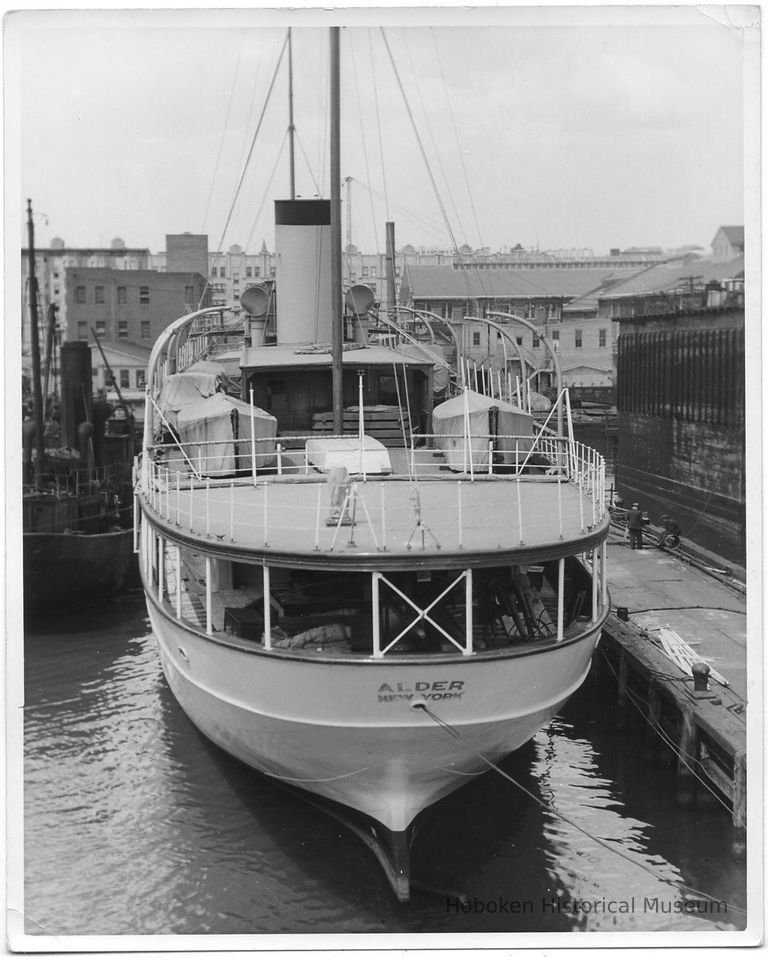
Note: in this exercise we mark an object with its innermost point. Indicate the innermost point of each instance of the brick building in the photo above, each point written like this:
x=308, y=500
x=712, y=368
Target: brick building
x=131, y=305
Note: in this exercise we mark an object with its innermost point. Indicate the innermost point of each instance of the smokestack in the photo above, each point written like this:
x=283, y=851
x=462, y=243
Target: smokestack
x=76, y=389
x=303, y=270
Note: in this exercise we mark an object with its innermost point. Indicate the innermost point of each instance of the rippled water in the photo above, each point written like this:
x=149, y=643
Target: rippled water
x=135, y=824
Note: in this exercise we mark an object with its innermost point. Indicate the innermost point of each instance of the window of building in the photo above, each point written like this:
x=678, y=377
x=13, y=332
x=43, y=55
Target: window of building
x=235, y=277
x=601, y=337
x=109, y=379
x=145, y=328
x=373, y=271
x=271, y=270
x=248, y=272
x=101, y=327
x=122, y=295
x=80, y=294
x=519, y=340
x=82, y=330
x=125, y=378
x=122, y=329
x=257, y=271
x=555, y=335
x=365, y=270
x=475, y=338
x=189, y=294
x=577, y=338
x=55, y=275
x=55, y=290
x=144, y=295
x=535, y=341
x=222, y=272
x=397, y=270
x=98, y=295
x=141, y=378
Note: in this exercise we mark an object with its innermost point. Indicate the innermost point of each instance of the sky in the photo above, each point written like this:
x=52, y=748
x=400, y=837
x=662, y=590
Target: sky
x=550, y=127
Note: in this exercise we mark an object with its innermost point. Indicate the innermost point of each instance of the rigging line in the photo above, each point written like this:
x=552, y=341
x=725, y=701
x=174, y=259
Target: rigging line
x=248, y=158
x=363, y=139
x=470, y=294
x=266, y=190
x=456, y=137
x=404, y=209
x=434, y=144
x=306, y=160
x=446, y=726
x=378, y=124
x=686, y=760
x=223, y=135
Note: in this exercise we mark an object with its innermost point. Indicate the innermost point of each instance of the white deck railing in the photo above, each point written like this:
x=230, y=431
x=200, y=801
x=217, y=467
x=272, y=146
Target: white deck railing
x=183, y=492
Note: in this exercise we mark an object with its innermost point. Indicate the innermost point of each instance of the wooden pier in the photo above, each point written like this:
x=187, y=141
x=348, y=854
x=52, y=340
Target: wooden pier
x=698, y=719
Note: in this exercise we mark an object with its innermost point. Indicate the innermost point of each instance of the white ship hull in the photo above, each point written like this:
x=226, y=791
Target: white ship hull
x=346, y=729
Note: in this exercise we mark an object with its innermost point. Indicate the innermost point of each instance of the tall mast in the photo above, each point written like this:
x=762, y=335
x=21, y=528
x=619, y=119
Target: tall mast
x=291, y=127
x=37, y=393
x=336, y=305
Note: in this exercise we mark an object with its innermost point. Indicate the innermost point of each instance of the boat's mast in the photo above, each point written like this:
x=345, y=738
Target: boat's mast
x=291, y=128
x=336, y=305
x=37, y=394
x=391, y=293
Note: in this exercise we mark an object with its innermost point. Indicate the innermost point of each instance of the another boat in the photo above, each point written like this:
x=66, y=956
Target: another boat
x=359, y=619
x=76, y=502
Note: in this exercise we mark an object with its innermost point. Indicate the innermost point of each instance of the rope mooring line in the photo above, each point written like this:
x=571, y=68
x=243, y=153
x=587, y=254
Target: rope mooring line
x=447, y=727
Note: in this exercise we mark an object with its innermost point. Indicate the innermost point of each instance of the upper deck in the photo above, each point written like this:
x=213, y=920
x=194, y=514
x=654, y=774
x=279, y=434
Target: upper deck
x=417, y=517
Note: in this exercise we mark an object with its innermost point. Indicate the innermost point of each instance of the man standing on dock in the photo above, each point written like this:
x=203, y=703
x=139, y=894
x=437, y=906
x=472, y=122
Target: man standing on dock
x=635, y=526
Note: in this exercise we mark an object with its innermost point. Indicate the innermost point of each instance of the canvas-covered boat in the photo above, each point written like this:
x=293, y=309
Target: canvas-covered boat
x=466, y=426
x=228, y=432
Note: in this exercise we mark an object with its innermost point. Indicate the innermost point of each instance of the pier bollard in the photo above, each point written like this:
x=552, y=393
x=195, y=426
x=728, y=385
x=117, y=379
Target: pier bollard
x=686, y=782
x=700, y=671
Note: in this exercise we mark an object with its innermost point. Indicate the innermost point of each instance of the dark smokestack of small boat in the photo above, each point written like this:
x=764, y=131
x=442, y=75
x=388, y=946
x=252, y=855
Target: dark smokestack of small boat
x=76, y=386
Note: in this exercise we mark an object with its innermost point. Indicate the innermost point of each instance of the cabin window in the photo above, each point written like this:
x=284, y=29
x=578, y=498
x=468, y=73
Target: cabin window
x=144, y=295
x=145, y=329
x=122, y=295
x=80, y=294
x=122, y=329
x=98, y=295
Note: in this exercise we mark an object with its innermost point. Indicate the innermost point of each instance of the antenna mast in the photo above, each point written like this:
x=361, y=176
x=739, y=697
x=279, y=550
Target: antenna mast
x=291, y=127
x=348, y=181
x=336, y=304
